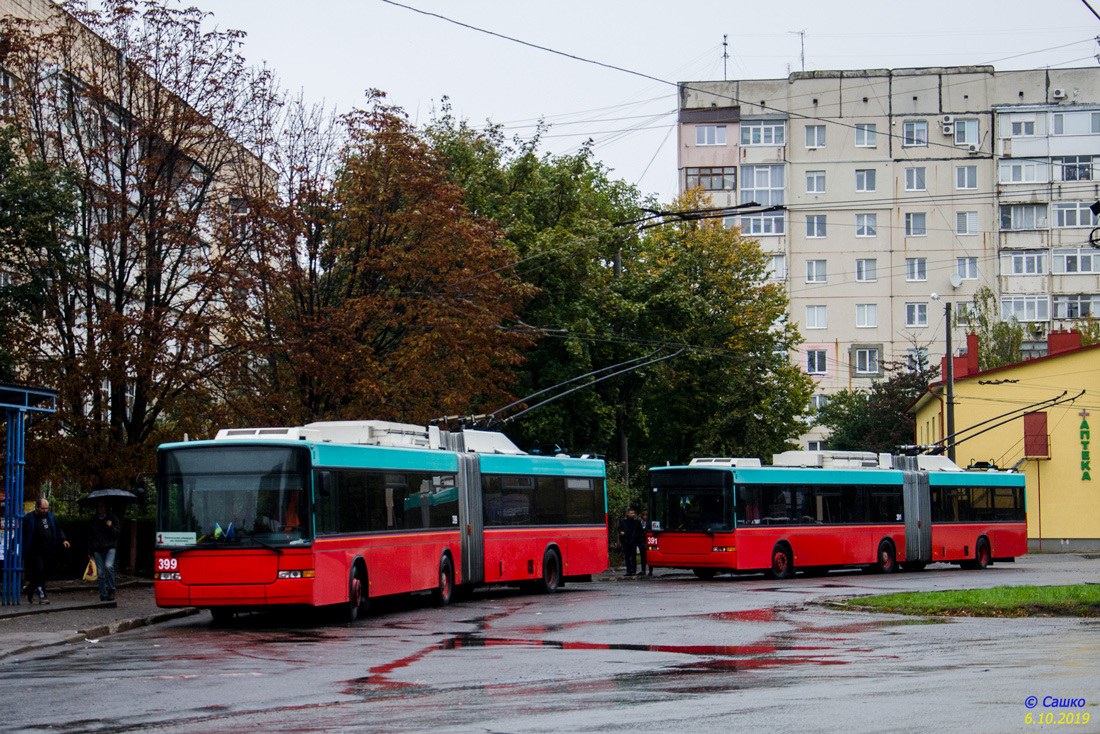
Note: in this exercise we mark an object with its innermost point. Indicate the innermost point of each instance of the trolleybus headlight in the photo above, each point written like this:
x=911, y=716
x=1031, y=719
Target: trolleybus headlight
x=167, y=575
x=722, y=550
x=296, y=574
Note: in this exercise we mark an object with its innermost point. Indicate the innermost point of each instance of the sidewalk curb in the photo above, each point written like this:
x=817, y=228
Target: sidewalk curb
x=105, y=630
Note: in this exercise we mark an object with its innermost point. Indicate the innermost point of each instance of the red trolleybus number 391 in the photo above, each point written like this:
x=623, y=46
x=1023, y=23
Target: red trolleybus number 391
x=336, y=513
x=817, y=510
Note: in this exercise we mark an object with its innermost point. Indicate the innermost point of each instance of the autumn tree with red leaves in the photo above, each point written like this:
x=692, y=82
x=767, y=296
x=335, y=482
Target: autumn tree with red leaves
x=375, y=295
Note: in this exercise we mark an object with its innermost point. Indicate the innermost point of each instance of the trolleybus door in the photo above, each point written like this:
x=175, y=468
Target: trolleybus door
x=471, y=518
x=918, y=517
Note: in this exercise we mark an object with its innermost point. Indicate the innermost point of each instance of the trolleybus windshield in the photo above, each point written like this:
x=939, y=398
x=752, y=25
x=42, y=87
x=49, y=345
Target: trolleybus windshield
x=232, y=496
x=692, y=501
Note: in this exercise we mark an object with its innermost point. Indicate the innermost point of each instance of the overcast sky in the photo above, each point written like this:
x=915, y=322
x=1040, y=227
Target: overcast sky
x=335, y=49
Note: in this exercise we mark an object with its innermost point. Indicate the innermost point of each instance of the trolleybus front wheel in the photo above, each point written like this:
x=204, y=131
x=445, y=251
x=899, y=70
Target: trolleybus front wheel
x=705, y=573
x=357, y=596
x=782, y=562
x=887, y=559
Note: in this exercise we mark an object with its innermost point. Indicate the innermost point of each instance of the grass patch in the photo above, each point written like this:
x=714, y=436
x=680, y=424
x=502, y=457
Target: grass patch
x=1078, y=600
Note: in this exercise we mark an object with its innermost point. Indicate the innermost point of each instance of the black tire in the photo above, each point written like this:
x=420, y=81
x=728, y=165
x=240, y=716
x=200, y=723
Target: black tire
x=444, y=592
x=221, y=615
x=357, y=596
x=782, y=562
x=887, y=559
x=551, y=573
x=705, y=573
x=982, y=556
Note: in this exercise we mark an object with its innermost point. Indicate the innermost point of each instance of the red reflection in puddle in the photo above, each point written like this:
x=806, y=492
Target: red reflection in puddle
x=752, y=615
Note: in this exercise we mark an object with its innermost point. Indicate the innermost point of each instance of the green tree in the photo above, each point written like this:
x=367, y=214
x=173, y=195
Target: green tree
x=37, y=212
x=1000, y=342
x=876, y=420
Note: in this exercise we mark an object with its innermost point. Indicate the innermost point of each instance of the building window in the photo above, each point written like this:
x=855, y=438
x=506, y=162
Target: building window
x=815, y=136
x=815, y=362
x=916, y=314
x=1072, y=214
x=815, y=445
x=914, y=179
x=1076, y=123
x=1024, y=308
x=966, y=177
x=1023, y=172
x=1084, y=260
x=966, y=223
x=966, y=132
x=967, y=267
x=916, y=268
x=763, y=133
x=916, y=133
x=867, y=270
x=963, y=311
x=817, y=402
x=712, y=179
x=865, y=179
x=866, y=225
x=916, y=359
x=915, y=224
x=815, y=271
x=1075, y=167
x=815, y=225
x=710, y=135
x=1079, y=306
x=865, y=136
x=815, y=182
x=1026, y=263
x=1023, y=128
x=866, y=315
x=764, y=185
x=777, y=269
x=1024, y=216
x=817, y=317
x=866, y=361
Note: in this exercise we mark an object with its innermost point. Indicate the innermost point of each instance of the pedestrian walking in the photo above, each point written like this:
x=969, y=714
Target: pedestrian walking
x=42, y=534
x=643, y=541
x=629, y=529
x=103, y=532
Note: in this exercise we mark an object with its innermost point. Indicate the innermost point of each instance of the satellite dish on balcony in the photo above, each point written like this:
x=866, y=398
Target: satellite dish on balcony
x=956, y=280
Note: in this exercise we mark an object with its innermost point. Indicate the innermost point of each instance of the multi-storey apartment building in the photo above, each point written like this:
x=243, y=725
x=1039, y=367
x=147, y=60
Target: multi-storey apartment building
x=897, y=184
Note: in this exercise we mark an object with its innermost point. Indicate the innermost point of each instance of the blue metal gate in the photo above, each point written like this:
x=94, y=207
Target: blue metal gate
x=18, y=404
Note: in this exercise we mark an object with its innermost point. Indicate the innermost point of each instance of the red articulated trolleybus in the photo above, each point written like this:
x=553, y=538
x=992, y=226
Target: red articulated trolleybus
x=335, y=513
x=817, y=510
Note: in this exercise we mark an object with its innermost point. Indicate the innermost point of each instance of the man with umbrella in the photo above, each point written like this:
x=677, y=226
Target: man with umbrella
x=103, y=532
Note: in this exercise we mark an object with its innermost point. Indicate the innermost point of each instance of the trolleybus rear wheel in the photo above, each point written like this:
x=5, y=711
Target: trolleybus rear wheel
x=357, y=596
x=982, y=554
x=551, y=572
x=887, y=560
x=441, y=595
x=705, y=573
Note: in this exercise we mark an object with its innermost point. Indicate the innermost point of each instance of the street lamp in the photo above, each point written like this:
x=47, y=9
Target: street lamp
x=950, y=377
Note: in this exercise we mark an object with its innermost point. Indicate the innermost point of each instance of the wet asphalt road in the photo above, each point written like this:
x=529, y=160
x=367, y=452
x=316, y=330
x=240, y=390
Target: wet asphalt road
x=654, y=655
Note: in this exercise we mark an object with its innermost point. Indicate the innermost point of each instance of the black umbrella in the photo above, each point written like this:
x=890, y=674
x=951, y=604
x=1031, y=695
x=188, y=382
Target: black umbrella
x=110, y=496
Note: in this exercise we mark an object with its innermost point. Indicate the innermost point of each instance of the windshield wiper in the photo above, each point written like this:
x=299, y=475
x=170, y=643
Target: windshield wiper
x=267, y=545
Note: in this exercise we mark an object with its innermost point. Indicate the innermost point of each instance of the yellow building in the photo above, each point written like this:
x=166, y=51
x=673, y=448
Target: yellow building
x=1034, y=416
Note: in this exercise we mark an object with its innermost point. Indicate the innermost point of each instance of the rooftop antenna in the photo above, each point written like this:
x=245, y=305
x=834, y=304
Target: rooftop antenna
x=725, y=56
x=802, y=55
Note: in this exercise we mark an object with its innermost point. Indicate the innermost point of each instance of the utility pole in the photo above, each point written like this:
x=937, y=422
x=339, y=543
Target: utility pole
x=802, y=54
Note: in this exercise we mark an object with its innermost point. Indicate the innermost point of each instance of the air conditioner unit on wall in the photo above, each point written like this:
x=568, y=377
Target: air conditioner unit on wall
x=948, y=129
x=1058, y=93
x=948, y=119
x=972, y=149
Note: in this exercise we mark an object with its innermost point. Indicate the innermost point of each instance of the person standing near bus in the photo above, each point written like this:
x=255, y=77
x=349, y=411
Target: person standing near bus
x=642, y=539
x=41, y=536
x=103, y=532
x=629, y=530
